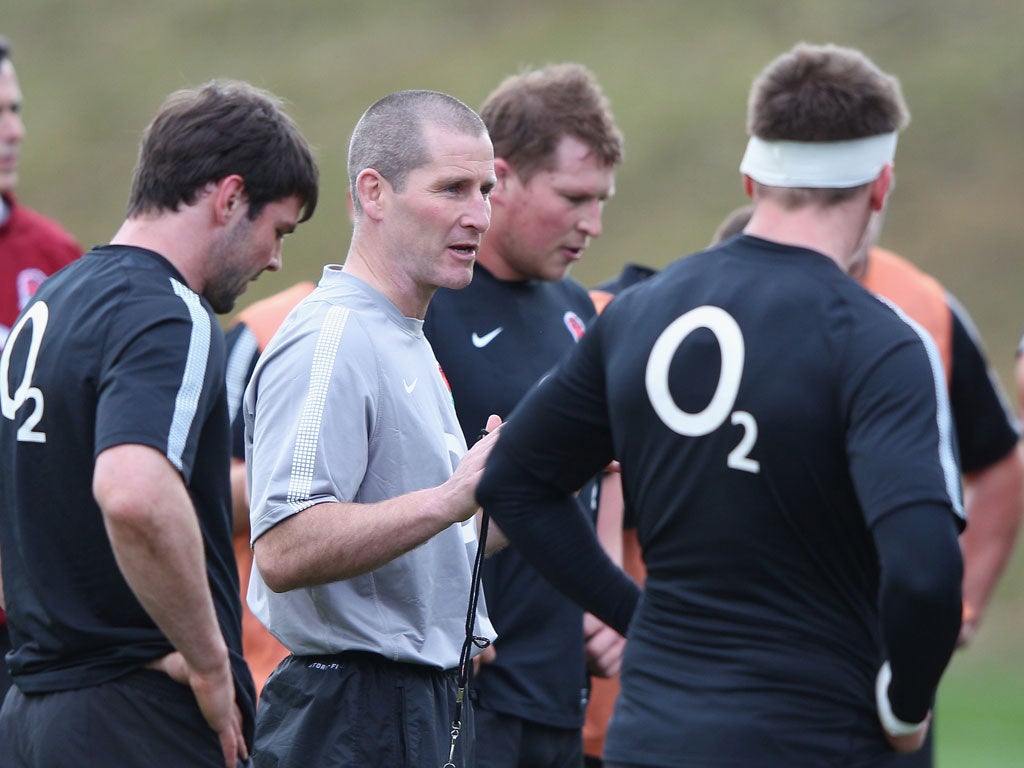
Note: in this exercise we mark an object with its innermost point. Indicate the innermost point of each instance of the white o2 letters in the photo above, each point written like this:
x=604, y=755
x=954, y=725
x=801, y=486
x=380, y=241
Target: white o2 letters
x=730, y=341
x=11, y=403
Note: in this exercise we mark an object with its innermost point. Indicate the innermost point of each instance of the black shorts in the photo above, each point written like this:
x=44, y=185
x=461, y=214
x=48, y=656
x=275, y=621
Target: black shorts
x=360, y=710
x=506, y=741
x=140, y=720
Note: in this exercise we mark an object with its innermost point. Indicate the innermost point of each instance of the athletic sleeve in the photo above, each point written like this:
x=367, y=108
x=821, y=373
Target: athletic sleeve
x=986, y=429
x=162, y=375
x=310, y=412
x=900, y=445
x=554, y=441
x=900, y=435
x=919, y=603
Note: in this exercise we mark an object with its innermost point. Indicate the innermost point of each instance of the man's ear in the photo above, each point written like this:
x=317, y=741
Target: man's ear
x=748, y=185
x=229, y=197
x=506, y=177
x=373, y=190
x=880, y=188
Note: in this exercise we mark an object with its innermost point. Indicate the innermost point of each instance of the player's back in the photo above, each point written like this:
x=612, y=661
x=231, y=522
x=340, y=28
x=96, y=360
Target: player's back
x=752, y=390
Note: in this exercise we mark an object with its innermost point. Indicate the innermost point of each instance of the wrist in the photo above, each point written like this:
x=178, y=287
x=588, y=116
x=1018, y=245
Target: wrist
x=212, y=661
x=890, y=722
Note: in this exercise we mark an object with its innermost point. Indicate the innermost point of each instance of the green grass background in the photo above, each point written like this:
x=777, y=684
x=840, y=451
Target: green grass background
x=677, y=73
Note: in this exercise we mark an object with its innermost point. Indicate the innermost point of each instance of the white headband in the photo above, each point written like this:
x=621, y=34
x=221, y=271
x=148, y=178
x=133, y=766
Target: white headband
x=821, y=164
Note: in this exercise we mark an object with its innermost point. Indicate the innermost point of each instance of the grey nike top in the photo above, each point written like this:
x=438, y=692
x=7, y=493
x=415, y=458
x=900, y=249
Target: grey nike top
x=348, y=404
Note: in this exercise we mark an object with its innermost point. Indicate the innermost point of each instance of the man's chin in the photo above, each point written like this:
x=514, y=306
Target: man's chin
x=224, y=301
x=556, y=274
x=458, y=279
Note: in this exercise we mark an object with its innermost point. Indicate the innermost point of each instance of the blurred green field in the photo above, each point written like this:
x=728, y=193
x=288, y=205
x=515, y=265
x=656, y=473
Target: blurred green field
x=979, y=714
x=677, y=73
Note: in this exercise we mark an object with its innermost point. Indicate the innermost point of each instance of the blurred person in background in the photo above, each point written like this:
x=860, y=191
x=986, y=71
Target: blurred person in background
x=32, y=247
x=556, y=149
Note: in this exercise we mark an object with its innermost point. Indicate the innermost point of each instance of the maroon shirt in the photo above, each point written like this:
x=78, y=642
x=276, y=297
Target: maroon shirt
x=32, y=247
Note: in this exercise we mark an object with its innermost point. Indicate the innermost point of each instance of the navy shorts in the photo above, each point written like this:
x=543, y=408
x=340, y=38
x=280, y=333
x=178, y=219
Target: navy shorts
x=506, y=741
x=360, y=710
x=140, y=720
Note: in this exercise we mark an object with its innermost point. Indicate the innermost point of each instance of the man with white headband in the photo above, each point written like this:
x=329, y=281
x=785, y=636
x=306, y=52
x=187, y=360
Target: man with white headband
x=785, y=442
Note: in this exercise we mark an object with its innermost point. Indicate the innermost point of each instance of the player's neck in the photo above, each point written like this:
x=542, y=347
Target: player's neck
x=833, y=231
x=170, y=235
x=490, y=257
x=411, y=299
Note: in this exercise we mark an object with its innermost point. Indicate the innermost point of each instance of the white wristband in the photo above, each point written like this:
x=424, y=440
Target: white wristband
x=892, y=724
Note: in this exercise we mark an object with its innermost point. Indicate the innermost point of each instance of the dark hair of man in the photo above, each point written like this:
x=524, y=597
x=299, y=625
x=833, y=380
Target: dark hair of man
x=824, y=93
x=528, y=114
x=202, y=135
x=733, y=224
x=389, y=137
x=5, y=49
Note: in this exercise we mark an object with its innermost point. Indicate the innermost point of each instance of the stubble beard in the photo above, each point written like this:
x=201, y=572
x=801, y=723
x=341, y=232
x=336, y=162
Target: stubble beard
x=230, y=278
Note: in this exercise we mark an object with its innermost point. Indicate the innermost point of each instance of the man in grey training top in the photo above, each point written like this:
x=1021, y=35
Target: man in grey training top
x=362, y=488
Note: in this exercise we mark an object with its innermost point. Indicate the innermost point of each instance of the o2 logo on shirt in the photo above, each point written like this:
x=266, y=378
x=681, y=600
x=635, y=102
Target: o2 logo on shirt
x=11, y=402
x=730, y=341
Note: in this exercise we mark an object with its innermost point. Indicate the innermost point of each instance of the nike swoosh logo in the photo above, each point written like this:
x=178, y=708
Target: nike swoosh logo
x=482, y=341
x=410, y=387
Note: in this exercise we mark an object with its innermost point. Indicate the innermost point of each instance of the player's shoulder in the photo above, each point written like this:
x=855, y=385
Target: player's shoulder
x=272, y=310
x=893, y=268
x=142, y=286
x=44, y=226
x=330, y=322
x=631, y=274
x=575, y=290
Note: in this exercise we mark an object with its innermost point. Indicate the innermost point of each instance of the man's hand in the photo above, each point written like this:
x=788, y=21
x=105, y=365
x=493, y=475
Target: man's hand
x=604, y=647
x=215, y=693
x=486, y=656
x=968, y=624
x=461, y=486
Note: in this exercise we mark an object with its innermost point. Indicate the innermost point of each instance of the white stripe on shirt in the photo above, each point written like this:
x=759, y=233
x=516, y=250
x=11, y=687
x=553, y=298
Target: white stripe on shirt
x=944, y=418
x=304, y=457
x=186, y=404
x=245, y=348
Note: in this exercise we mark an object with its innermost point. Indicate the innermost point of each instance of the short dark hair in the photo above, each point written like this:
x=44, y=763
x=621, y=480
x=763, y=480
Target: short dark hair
x=528, y=114
x=823, y=93
x=5, y=49
x=389, y=137
x=222, y=128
